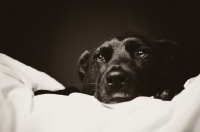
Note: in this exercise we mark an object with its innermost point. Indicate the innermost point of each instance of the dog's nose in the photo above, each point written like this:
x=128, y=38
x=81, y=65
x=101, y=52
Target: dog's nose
x=116, y=79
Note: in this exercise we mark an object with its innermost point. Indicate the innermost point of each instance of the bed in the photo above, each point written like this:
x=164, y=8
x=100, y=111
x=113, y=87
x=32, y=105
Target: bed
x=22, y=111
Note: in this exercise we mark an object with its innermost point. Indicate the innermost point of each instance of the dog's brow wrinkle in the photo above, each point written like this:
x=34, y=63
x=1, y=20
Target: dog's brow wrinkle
x=114, y=41
x=130, y=39
x=106, y=44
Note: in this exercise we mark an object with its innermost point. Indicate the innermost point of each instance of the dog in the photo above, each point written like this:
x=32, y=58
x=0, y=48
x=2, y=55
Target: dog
x=129, y=66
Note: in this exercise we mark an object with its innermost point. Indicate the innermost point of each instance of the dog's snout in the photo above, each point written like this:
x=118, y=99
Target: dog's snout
x=116, y=79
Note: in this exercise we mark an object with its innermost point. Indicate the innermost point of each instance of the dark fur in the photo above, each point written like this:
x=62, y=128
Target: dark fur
x=66, y=91
x=129, y=66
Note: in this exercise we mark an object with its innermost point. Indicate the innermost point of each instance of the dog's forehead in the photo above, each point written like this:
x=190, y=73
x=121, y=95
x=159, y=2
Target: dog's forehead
x=116, y=43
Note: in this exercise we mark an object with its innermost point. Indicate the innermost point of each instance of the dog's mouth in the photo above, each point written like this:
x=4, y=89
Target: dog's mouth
x=119, y=97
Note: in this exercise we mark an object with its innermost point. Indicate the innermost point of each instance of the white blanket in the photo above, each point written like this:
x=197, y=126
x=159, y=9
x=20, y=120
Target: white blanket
x=21, y=111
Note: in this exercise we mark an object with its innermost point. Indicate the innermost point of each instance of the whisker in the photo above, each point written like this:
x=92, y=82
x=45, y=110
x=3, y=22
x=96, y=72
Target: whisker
x=78, y=84
x=92, y=91
x=87, y=84
x=92, y=83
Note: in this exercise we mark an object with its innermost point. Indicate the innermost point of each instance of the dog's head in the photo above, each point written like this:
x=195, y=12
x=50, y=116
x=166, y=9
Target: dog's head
x=129, y=66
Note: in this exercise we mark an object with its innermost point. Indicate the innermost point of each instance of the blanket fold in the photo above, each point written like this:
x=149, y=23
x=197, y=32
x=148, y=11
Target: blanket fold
x=21, y=111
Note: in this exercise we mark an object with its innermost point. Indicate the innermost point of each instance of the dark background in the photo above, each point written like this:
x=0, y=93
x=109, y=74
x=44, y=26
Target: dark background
x=50, y=36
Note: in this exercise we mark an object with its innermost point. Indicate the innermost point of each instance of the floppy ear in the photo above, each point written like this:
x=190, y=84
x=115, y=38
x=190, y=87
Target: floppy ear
x=170, y=50
x=172, y=58
x=82, y=64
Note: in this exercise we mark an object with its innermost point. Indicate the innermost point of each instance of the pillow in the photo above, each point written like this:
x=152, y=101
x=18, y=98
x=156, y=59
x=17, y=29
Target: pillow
x=27, y=75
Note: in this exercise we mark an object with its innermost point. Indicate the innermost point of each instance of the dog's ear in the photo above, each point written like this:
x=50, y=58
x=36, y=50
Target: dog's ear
x=170, y=50
x=82, y=64
x=172, y=56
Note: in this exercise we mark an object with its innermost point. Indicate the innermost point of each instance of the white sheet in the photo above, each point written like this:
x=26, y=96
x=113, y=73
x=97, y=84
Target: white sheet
x=21, y=111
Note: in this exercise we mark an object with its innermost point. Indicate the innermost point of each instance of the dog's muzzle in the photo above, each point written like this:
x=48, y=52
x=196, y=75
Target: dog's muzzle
x=116, y=79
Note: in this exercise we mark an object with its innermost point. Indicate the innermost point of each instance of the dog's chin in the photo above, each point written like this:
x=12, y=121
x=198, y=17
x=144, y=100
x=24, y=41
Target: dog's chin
x=118, y=97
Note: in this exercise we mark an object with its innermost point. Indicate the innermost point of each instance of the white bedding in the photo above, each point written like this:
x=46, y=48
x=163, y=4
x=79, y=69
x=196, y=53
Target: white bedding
x=21, y=111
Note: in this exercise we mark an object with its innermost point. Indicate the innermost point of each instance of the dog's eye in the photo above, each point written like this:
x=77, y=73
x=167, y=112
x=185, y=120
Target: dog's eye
x=141, y=54
x=104, y=54
x=99, y=58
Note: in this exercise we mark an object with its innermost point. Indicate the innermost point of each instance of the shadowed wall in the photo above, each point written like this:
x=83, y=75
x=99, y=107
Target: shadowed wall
x=51, y=36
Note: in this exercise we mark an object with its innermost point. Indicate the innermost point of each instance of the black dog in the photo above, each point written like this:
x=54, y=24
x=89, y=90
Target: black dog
x=129, y=66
